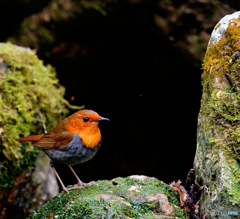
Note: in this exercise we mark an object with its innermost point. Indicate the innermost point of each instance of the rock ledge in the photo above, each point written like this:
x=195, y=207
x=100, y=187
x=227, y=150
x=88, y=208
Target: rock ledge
x=130, y=197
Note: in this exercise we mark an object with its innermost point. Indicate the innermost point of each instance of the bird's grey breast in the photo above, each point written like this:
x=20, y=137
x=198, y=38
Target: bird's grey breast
x=75, y=152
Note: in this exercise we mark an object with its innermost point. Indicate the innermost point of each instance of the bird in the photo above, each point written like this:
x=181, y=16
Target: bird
x=75, y=140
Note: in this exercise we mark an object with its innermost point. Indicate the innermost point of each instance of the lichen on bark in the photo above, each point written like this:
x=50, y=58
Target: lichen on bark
x=217, y=162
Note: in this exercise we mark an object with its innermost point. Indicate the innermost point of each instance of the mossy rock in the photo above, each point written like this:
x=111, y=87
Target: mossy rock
x=130, y=197
x=30, y=96
x=217, y=164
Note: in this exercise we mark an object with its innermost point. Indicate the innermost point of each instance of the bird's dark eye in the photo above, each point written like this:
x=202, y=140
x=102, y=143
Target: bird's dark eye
x=85, y=119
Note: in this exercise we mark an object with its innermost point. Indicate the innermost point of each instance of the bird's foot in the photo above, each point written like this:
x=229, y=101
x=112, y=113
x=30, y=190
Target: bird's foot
x=65, y=190
x=71, y=187
x=74, y=187
x=80, y=183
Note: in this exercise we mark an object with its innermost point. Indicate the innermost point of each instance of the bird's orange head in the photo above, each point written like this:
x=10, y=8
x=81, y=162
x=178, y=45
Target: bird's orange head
x=85, y=124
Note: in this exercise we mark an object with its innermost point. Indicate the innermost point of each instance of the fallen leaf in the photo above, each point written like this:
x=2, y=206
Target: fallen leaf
x=181, y=192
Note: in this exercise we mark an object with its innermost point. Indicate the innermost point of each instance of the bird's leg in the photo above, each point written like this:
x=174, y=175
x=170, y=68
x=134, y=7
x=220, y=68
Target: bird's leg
x=80, y=183
x=64, y=188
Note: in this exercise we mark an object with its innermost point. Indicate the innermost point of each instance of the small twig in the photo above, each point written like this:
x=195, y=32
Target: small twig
x=43, y=123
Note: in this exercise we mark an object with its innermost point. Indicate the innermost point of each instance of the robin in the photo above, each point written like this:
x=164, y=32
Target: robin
x=75, y=140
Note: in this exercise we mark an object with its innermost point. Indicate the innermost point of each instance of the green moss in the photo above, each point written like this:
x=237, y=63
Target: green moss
x=220, y=114
x=110, y=199
x=233, y=187
x=9, y=171
x=179, y=212
x=29, y=91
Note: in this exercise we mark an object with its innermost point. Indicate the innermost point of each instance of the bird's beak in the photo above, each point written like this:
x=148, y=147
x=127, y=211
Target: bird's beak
x=101, y=118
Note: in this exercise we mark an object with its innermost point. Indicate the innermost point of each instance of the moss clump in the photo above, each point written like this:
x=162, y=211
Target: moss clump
x=29, y=95
x=118, y=198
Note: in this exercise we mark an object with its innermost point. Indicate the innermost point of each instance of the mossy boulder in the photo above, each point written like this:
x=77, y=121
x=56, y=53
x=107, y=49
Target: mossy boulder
x=217, y=164
x=130, y=197
x=30, y=97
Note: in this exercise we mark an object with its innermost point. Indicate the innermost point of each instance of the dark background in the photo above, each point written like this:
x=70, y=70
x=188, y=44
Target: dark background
x=135, y=62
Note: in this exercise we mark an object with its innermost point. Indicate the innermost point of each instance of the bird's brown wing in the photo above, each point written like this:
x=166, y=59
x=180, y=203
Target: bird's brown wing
x=54, y=141
x=58, y=138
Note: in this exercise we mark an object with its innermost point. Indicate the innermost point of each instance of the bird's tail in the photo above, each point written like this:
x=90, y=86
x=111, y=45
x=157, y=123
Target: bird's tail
x=31, y=138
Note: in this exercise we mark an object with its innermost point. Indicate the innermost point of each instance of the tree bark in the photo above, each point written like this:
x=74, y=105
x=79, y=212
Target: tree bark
x=217, y=163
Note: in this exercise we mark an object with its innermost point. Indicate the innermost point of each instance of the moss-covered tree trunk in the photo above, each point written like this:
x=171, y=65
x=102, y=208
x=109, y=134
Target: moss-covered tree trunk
x=217, y=161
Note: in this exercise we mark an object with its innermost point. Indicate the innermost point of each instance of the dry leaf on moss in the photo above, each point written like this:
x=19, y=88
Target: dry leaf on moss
x=181, y=192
